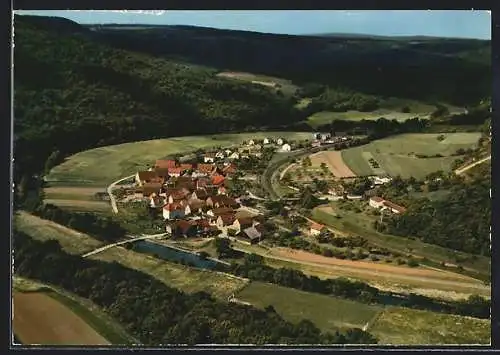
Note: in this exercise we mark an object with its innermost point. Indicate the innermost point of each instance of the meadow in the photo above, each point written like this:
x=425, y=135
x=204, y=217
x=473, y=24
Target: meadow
x=397, y=155
x=403, y=326
x=185, y=278
x=361, y=224
x=101, y=166
x=286, y=86
x=327, y=313
x=325, y=117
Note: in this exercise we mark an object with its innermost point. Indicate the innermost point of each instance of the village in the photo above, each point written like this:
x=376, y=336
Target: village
x=194, y=197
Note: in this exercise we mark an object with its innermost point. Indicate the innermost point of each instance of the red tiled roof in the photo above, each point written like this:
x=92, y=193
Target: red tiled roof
x=149, y=188
x=201, y=182
x=394, y=206
x=183, y=225
x=165, y=163
x=229, y=169
x=377, y=199
x=175, y=170
x=227, y=218
x=317, y=226
x=245, y=221
x=161, y=172
x=148, y=176
x=201, y=193
x=186, y=166
x=206, y=168
x=173, y=206
x=222, y=210
x=218, y=179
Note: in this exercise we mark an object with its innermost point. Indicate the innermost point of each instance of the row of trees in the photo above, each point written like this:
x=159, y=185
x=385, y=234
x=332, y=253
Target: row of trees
x=254, y=268
x=102, y=228
x=157, y=314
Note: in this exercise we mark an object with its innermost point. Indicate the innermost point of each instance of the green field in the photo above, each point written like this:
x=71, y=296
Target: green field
x=101, y=166
x=396, y=154
x=185, y=278
x=328, y=313
x=83, y=308
x=402, y=326
x=71, y=241
x=361, y=224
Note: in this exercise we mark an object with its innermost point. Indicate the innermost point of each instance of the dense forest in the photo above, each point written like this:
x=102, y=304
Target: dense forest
x=459, y=220
x=157, y=314
x=67, y=85
x=432, y=69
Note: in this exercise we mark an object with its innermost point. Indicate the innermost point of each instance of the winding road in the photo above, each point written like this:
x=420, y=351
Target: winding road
x=110, y=192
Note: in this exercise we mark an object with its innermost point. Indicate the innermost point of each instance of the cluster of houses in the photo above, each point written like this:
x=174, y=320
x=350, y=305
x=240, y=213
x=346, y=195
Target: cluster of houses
x=194, y=201
x=385, y=205
x=328, y=138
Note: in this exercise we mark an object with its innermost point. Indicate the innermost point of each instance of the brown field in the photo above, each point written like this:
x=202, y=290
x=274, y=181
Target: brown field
x=334, y=161
x=40, y=319
x=431, y=278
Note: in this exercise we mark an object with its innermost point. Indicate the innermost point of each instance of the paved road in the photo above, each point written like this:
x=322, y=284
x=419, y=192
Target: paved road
x=110, y=190
x=461, y=170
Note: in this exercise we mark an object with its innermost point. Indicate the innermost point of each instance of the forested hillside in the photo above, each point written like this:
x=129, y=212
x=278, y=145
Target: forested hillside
x=72, y=93
x=456, y=71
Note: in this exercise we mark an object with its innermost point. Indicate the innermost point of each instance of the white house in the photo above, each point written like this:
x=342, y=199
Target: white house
x=376, y=202
x=251, y=142
x=279, y=141
x=220, y=155
x=228, y=152
x=209, y=158
x=235, y=156
x=325, y=136
x=316, y=228
x=266, y=141
x=286, y=147
x=380, y=180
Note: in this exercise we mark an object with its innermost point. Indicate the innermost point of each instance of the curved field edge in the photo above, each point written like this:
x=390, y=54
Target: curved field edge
x=103, y=165
x=83, y=308
x=396, y=155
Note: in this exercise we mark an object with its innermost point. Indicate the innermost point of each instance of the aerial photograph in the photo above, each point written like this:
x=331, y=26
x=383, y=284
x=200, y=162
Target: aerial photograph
x=235, y=177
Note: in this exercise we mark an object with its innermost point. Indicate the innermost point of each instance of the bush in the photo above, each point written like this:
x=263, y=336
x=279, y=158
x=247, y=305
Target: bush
x=327, y=252
x=374, y=258
x=400, y=261
x=413, y=263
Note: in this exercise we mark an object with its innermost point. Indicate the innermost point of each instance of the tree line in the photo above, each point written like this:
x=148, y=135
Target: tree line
x=253, y=267
x=157, y=314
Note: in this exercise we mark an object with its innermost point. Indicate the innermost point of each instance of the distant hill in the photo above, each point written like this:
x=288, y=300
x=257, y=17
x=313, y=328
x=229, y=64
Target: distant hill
x=430, y=69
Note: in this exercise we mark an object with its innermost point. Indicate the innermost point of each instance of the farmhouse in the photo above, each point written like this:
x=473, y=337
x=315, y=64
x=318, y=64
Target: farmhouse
x=266, y=141
x=175, y=171
x=219, y=155
x=194, y=206
x=205, y=168
x=162, y=173
x=173, y=211
x=380, y=180
x=221, y=201
x=229, y=169
x=242, y=223
x=209, y=158
x=216, y=212
x=228, y=152
x=316, y=144
x=143, y=177
x=380, y=203
x=376, y=202
x=234, y=156
x=202, y=182
x=225, y=220
x=165, y=163
x=279, y=141
x=251, y=142
x=316, y=228
x=286, y=147
x=151, y=188
x=199, y=194
x=176, y=195
x=253, y=234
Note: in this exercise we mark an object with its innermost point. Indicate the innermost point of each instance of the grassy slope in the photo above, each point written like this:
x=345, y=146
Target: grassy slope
x=328, y=313
x=83, y=308
x=395, y=154
x=106, y=164
x=351, y=222
x=182, y=277
x=407, y=326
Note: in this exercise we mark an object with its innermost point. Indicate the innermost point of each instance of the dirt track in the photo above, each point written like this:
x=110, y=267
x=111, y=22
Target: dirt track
x=334, y=161
x=40, y=319
x=338, y=267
